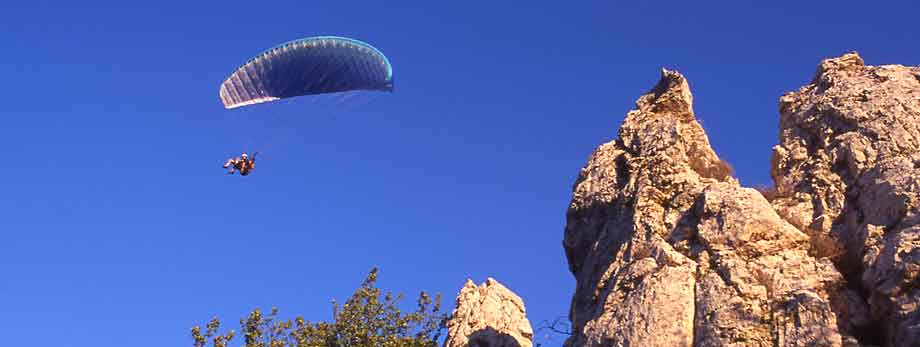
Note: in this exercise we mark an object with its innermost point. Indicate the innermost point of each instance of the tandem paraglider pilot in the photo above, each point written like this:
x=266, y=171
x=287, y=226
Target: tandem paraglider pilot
x=307, y=66
x=243, y=164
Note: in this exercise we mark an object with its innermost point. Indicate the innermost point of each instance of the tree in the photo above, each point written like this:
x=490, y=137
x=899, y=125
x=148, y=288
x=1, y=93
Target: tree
x=369, y=318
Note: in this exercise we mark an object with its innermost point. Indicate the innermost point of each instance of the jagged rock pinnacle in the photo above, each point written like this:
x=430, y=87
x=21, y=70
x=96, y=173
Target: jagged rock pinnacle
x=668, y=250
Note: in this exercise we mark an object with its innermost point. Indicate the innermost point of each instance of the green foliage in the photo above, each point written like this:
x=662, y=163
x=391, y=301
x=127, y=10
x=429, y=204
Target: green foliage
x=369, y=318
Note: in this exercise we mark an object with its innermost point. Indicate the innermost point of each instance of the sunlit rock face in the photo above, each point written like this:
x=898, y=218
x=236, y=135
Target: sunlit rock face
x=488, y=315
x=669, y=250
x=846, y=169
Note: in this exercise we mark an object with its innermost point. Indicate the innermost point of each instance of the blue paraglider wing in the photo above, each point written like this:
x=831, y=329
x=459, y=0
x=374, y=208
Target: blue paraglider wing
x=315, y=65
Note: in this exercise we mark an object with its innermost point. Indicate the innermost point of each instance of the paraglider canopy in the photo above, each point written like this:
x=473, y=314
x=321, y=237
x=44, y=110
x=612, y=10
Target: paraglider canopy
x=315, y=65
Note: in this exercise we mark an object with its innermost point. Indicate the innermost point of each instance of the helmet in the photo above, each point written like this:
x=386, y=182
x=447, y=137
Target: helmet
x=245, y=156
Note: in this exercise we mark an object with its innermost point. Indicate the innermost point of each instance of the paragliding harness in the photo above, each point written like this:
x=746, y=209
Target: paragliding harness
x=242, y=164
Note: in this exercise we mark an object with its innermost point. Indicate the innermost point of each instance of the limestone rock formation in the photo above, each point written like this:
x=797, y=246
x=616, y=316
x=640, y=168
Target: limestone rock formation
x=489, y=315
x=668, y=250
x=847, y=171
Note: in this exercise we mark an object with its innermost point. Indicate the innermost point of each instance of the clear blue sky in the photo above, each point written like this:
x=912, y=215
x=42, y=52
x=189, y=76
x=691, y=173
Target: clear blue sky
x=120, y=229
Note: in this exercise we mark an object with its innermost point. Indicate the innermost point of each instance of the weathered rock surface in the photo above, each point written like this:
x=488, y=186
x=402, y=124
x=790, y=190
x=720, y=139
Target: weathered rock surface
x=489, y=315
x=668, y=250
x=847, y=171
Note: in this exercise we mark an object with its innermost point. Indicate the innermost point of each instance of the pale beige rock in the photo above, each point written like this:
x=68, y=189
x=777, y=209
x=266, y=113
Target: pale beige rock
x=760, y=277
x=846, y=169
x=489, y=315
x=633, y=286
x=668, y=250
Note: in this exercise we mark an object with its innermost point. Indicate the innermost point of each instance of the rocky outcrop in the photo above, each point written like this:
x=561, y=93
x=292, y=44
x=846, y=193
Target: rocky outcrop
x=668, y=250
x=847, y=171
x=489, y=315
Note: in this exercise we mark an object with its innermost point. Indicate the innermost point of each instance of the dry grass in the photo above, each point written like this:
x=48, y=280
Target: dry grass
x=721, y=170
